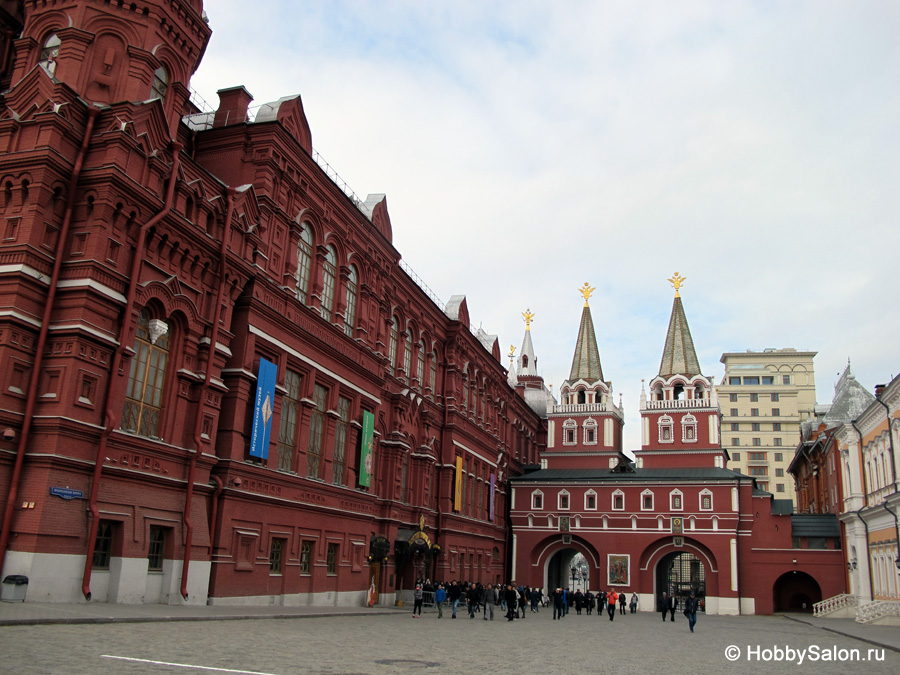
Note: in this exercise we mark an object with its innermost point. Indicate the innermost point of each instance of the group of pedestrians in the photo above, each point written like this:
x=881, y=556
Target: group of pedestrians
x=480, y=599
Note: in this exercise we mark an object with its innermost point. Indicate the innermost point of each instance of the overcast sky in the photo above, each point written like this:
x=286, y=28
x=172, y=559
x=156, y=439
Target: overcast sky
x=528, y=147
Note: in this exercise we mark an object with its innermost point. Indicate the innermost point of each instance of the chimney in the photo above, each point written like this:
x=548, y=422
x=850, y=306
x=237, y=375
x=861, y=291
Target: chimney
x=233, y=104
x=879, y=388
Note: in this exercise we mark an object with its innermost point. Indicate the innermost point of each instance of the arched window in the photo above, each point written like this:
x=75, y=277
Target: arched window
x=665, y=429
x=420, y=364
x=329, y=276
x=160, y=83
x=689, y=429
x=146, y=378
x=350, y=312
x=464, y=398
x=581, y=396
x=304, y=262
x=49, y=54
x=432, y=378
x=392, y=346
x=407, y=353
x=570, y=429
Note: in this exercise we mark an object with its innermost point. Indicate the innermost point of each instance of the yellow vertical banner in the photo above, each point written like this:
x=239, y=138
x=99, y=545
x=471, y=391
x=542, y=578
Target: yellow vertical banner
x=457, y=498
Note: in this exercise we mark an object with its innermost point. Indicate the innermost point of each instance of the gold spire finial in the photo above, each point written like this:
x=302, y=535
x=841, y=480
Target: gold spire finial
x=586, y=291
x=512, y=352
x=528, y=315
x=676, y=281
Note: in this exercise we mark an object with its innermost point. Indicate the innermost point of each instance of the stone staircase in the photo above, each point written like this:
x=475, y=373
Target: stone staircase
x=842, y=606
x=881, y=611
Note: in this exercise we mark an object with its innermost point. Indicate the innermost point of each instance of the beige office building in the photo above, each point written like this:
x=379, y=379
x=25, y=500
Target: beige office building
x=763, y=398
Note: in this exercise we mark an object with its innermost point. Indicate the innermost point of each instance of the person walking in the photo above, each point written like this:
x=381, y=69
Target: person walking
x=440, y=595
x=454, y=593
x=601, y=602
x=673, y=605
x=690, y=610
x=418, y=594
x=622, y=600
x=611, y=599
x=557, y=600
x=511, y=596
x=634, y=603
x=490, y=599
x=662, y=605
x=472, y=600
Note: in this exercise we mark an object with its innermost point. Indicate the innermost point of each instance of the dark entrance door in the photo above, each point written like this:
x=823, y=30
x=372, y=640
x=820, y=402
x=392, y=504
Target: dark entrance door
x=680, y=573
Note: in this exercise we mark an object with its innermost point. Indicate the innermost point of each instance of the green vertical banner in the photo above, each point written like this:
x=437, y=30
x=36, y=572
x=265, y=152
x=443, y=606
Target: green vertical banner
x=366, y=454
x=457, y=497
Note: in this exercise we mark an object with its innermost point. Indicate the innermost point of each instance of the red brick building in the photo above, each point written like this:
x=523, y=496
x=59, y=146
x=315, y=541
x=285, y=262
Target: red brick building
x=672, y=518
x=218, y=381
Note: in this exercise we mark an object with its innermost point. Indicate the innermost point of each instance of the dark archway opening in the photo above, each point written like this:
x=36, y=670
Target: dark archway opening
x=795, y=591
x=680, y=573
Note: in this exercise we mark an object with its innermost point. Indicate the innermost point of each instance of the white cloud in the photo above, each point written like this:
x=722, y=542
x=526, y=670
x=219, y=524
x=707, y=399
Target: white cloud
x=526, y=148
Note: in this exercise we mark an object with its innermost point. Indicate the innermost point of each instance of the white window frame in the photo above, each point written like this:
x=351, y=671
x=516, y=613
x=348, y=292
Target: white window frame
x=559, y=500
x=706, y=493
x=570, y=425
x=645, y=493
x=590, y=424
x=612, y=504
x=672, y=495
x=590, y=493
x=688, y=422
x=666, y=422
x=537, y=493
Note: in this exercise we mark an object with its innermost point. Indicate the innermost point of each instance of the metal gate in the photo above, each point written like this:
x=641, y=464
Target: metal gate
x=680, y=573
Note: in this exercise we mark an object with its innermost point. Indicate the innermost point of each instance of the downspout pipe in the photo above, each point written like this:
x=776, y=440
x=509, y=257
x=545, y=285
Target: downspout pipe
x=862, y=471
x=109, y=415
x=201, y=398
x=214, y=512
x=31, y=399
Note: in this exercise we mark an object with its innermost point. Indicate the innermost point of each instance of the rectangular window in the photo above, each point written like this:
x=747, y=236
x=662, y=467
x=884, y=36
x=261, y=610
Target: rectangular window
x=331, y=559
x=276, y=551
x=763, y=486
x=779, y=473
x=287, y=433
x=537, y=501
x=732, y=398
x=619, y=502
x=778, y=456
x=735, y=426
x=751, y=380
x=591, y=502
x=676, y=502
x=776, y=441
x=564, y=501
x=734, y=412
x=754, y=412
x=759, y=471
x=757, y=442
x=754, y=398
x=647, y=502
x=706, y=502
x=785, y=379
x=734, y=380
x=766, y=380
x=757, y=456
x=774, y=398
x=754, y=426
x=735, y=441
x=776, y=412
x=305, y=553
x=340, y=439
x=776, y=426
x=103, y=545
x=156, y=548
x=736, y=456
x=316, y=432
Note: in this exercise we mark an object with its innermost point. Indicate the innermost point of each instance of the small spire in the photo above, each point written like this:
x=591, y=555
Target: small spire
x=586, y=291
x=528, y=315
x=512, y=355
x=677, y=281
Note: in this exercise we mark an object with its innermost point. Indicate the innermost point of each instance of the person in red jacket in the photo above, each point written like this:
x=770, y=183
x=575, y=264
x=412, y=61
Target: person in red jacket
x=611, y=599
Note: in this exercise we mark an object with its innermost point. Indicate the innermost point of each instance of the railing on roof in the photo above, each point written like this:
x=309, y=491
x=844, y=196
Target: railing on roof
x=421, y=284
x=340, y=182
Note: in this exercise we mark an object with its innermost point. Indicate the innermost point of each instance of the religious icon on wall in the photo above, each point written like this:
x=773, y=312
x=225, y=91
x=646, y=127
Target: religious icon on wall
x=617, y=569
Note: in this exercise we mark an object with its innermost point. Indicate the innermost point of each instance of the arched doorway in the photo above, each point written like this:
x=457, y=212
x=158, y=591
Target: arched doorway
x=795, y=591
x=559, y=570
x=680, y=573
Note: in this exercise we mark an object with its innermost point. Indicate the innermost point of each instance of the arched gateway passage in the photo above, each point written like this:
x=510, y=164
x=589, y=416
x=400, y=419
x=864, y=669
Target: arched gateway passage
x=680, y=573
x=796, y=591
x=559, y=573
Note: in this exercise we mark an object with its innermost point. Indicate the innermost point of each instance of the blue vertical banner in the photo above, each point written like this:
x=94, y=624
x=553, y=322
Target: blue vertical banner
x=262, y=412
x=491, y=497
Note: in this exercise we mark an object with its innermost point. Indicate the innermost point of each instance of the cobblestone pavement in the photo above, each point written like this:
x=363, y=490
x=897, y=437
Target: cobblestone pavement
x=398, y=643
